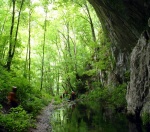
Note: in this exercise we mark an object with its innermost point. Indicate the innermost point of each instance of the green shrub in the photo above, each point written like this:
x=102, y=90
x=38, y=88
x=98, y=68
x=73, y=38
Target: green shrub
x=46, y=98
x=145, y=118
x=35, y=102
x=100, y=94
x=1, y=108
x=9, y=79
x=33, y=105
x=116, y=97
x=16, y=121
x=57, y=100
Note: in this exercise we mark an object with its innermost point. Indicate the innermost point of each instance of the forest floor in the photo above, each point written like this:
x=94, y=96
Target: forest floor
x=43, y=119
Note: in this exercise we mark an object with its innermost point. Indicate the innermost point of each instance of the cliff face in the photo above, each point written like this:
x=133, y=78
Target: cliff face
x=138, y=94
x=125, y=21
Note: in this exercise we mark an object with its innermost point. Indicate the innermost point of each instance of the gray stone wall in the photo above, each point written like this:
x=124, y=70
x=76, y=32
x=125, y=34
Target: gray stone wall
x=139, y=86
x=124, y=21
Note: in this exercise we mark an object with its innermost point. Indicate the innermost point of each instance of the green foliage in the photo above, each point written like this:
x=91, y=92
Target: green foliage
x=127, y=76
x=118, y=96
x=16, y=121
x=97, y=94
x=23, y=87
x=1, y=108
x=6, y=84
x=35, y=102
x=46, y=98
x=115, y=97
x=9, y=79
x=145, y=118
x=33, y=106
x=90, y=72
x=31, y=100
x=69, y=48
x=57, y=100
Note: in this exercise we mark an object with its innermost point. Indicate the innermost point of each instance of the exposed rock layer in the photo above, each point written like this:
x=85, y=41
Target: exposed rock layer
x=124, y=21
x=138, y=91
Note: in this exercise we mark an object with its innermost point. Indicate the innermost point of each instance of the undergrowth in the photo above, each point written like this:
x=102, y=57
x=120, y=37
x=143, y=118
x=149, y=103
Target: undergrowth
x=17, y=120
x=114, y=97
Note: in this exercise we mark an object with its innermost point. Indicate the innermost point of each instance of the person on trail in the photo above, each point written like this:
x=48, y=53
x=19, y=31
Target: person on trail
x=72, y=96
x=12, y=99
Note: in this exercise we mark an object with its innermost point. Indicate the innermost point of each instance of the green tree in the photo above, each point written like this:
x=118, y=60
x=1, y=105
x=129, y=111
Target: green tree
x=13, y=36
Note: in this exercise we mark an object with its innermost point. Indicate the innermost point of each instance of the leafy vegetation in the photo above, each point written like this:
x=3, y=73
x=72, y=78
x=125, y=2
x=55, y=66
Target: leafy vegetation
x=145, y=118
x=46, y=48
x=115, y=97
x=17, y=120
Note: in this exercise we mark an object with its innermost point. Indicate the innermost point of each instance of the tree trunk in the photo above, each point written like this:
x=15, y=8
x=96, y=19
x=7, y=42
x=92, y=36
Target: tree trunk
x=91, y=23
x=10, y=39
x=12, y=45
x=29, y=42
x=42, y=70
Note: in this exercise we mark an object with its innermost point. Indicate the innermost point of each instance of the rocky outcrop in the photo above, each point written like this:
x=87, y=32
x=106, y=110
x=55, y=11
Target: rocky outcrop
x=124, y=21
x=138, y=92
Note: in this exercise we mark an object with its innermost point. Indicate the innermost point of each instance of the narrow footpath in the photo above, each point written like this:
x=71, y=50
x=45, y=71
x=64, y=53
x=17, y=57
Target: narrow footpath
x=43, y=120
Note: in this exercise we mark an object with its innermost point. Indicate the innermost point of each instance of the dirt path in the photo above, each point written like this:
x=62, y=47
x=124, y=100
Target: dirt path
x=43, y=120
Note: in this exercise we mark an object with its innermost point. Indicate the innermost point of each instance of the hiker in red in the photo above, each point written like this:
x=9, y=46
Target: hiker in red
x=12, y=100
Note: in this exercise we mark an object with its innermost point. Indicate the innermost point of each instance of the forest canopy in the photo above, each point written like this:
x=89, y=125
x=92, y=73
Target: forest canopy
x=49, y=47
x=49, y=41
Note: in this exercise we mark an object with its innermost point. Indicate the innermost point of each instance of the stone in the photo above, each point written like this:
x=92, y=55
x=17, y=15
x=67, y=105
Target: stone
x=138, y=90
x=124, y=21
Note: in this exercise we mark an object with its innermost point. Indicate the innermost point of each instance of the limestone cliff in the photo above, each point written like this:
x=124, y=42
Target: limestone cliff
x=125, y=21
x=138, y=91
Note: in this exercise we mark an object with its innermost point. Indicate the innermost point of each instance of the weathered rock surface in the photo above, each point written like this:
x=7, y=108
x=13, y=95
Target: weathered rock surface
x=138, y=92
x=124, y=21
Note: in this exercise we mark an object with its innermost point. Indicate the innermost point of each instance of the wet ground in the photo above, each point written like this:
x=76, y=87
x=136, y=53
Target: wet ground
x=83, y=117
x=43, y=120
x=42, y=124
